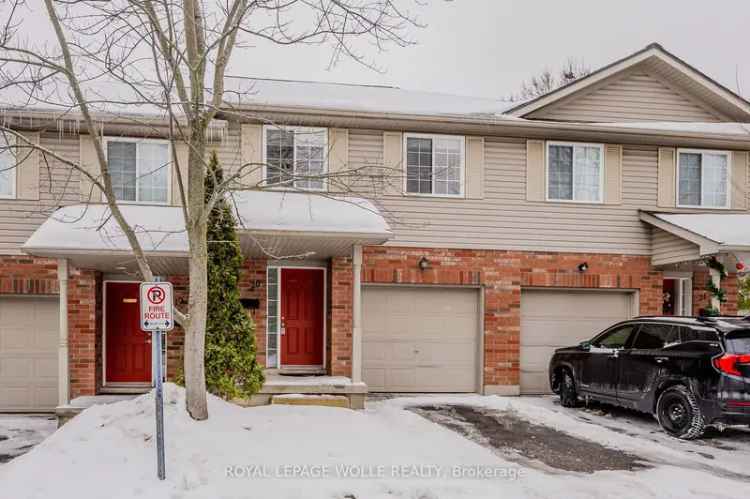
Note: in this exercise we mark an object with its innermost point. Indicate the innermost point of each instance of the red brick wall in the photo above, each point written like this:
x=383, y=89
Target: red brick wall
x=702, y=298
x=253, y=285
x=339, y=344
x=21, y=275
x=84, y=331
x=502, y=274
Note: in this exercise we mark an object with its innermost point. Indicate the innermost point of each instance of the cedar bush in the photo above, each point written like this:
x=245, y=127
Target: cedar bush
x=231, y=367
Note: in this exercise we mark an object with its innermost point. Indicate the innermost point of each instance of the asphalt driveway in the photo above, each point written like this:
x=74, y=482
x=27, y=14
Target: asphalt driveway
x=19, y=433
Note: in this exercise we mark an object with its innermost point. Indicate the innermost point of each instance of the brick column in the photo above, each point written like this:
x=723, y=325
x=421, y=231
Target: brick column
x=341, y=316
x=84, y=325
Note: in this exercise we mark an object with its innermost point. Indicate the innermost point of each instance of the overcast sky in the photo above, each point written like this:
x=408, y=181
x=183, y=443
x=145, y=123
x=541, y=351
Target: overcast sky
x=488, y=47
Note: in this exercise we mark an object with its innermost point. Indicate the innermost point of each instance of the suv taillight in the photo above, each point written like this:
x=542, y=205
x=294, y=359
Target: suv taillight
x=729, y=363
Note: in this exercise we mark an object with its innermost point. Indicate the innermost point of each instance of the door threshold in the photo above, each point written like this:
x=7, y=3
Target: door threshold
x=301, y=370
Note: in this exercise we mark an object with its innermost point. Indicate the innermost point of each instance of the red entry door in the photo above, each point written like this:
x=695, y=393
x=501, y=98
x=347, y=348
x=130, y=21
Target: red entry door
x=128, y=348
x=302, y=317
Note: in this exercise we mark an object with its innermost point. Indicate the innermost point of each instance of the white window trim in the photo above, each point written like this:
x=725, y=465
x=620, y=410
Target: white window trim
x=138, y=140
x=461, y=169
x=728, y=155
x=11, y=142
x=602, y=172
x=295, y=129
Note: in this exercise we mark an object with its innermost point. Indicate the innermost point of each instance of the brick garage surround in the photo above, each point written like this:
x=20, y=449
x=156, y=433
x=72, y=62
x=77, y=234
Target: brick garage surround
x=26, y=275
x=503, y=274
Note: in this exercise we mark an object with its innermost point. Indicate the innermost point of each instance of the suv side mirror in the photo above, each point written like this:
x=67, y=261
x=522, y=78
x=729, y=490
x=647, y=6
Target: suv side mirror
x=585, y=345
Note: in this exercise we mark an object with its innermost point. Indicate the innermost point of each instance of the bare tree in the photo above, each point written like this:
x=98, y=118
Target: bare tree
x=169, y=58
x=548, y=81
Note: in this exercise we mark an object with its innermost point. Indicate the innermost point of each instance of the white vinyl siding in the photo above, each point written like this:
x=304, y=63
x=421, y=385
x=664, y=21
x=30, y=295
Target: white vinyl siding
x=140, y=170
x=7, y=167
x=575, y=172
x=703, y=178
x=295, y=157
x=434, y=165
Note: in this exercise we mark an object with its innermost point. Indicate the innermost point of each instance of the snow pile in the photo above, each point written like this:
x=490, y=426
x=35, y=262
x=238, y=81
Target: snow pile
x=305, y=452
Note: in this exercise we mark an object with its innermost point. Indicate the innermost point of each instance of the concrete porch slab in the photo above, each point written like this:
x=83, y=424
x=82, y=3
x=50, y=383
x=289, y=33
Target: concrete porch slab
x=280, y=384
x=65, y=413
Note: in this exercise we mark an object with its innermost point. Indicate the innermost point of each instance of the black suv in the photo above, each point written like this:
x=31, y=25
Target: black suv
x=689, y=372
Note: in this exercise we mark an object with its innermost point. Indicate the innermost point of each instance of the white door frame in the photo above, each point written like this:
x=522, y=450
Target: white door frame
x=682, y=277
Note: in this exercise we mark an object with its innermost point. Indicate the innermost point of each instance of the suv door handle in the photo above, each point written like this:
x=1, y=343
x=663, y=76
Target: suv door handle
x=661, y=360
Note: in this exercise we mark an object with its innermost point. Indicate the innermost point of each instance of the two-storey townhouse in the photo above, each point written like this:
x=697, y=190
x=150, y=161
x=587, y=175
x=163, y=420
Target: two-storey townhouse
x=500, y=232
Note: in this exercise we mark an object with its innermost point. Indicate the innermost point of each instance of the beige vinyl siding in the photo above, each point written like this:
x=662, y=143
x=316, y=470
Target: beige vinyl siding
x=504, y=219
x=58, y=185
x=668, y=248
x=634, y=96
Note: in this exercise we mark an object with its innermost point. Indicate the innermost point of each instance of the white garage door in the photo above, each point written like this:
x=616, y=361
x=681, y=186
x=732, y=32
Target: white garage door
x=552, y=319
x=28, y=353
x=420, y=339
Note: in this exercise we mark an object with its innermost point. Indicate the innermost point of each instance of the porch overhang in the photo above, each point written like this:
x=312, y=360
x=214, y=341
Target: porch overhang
x=274, y=225
x=703, y=234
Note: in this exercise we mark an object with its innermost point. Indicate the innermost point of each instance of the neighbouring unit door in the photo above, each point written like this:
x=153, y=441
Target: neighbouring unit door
x=552, y=319
x=29, y=328
x=420, y=339
x=128, y=348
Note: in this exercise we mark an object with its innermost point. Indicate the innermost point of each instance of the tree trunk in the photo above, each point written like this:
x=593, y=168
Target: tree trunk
x=195, y=334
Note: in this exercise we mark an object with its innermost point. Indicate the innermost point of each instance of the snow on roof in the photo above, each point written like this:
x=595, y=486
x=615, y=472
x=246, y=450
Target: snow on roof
x=161, y=229
x=726, y=229
x=349, y=97
x=740, y=129
x=284, y=211
x=81, y=228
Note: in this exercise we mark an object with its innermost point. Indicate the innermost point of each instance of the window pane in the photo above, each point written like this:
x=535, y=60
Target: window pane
x=447, y=166
x=690, y=179
x=7, y=167
x=655, y=336
x=615, y=339
x=560, y=172
x=419, y=165
x=715, y=176
x=279, y=155
x=587, y=181
x=153, y=175
x=310, y=145
x=121, y=163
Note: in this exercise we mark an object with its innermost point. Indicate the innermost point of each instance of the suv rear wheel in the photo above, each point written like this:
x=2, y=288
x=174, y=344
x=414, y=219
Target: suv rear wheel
x=679, y=414
x=568, y=393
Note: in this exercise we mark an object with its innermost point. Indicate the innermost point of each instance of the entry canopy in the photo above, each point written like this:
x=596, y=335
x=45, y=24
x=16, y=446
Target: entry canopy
x=710, y=233
x=271, y=224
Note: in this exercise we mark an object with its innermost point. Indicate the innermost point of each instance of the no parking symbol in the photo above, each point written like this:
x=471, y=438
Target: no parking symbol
x=156, y=306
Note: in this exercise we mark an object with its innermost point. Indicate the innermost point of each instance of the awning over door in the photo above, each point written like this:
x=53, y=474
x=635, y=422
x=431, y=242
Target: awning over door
x=273, y=224
x=684, y=237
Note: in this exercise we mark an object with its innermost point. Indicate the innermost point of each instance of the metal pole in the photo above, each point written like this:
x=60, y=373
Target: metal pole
x=157, y=337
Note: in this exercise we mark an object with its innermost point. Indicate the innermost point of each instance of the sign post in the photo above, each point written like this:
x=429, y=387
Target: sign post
x=157, y=318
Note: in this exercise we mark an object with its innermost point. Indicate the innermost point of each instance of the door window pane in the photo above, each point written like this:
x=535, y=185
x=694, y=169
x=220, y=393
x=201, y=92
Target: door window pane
x=616, y=338
x=655, y=336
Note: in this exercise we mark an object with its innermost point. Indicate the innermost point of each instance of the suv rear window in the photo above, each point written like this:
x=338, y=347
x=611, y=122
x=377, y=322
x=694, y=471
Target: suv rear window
x=738, y=342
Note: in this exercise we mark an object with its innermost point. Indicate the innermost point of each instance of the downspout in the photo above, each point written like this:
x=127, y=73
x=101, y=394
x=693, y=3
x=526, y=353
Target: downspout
x=63, y=394
x=357, y=314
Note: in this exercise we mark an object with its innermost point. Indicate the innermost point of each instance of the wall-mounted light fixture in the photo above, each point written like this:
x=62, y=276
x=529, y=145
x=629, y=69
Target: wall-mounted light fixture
x=583, y=267
x=424, y=263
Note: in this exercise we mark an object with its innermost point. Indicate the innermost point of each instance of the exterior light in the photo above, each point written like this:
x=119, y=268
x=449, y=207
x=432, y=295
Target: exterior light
x=583, y=267
x=424, y=263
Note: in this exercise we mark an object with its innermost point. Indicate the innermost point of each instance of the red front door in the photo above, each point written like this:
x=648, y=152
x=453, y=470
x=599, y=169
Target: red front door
x=302, y=317
x=128, y=348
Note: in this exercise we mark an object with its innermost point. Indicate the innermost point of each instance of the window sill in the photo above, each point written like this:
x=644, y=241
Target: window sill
x=571, y=201
x=439, y=196
x=693, y=207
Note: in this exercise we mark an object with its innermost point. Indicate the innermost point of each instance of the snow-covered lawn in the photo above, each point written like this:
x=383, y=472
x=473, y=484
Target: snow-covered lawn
x=309, y=452
x=21, y=432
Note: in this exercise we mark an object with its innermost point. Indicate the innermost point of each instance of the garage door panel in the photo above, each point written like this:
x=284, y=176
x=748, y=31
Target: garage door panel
x=28, y=353
x=552, y=319
x=420, y=339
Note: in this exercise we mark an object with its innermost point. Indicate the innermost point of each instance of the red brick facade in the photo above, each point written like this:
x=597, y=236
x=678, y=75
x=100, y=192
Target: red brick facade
x=501, y=274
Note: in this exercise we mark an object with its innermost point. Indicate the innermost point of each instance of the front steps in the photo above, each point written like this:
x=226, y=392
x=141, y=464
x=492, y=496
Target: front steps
x=303, y=387
x=321, y=400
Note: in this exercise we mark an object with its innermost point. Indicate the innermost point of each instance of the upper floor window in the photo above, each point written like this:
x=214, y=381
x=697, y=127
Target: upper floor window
x=296, y=156
x=703, y=178
x=434, y=165
x=140, y=169
x=7, y=167
x=575, y=172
